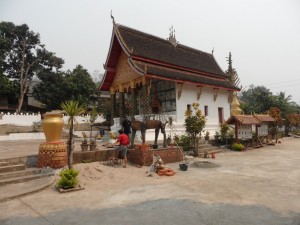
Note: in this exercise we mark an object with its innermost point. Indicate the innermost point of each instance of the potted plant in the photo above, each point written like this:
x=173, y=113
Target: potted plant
x=84, y=144
x=68, y=181
x=169, y=139
x=93, y=145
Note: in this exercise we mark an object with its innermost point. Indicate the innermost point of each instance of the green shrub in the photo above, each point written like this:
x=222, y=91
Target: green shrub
x=237, y=147
x=68, y=178
x=184, y=142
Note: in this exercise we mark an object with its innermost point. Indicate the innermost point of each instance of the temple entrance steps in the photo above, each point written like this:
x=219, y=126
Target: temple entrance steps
x=16, y=179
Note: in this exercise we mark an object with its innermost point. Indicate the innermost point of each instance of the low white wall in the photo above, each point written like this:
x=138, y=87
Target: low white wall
x=19, y=119
x=23, y=136
x=28, y=119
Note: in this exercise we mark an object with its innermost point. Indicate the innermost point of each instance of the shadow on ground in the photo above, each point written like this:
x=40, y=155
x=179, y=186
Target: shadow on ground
x=166, y=212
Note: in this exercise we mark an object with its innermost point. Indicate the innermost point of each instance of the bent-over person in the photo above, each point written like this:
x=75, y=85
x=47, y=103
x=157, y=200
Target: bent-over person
x=122, y=149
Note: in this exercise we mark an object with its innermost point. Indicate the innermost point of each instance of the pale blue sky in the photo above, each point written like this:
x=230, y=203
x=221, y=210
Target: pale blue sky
x=263, y=35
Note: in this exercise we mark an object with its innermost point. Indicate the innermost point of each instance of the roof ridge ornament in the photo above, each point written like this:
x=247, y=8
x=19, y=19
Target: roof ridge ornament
x=112, y=18
x=172, y=38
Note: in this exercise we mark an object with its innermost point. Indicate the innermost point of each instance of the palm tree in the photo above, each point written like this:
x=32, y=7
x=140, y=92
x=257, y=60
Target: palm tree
x=72, y=109
x=282, y=97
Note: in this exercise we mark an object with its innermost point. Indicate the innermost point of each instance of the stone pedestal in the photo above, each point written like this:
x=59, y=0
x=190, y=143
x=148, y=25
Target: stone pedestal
x=52, y=154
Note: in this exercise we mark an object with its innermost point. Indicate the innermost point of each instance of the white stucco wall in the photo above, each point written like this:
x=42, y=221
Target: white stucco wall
x=189, y=96
x=28, y=119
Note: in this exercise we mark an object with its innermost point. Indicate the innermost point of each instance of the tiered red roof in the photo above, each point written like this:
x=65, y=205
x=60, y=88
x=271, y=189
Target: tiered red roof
x=155, y=57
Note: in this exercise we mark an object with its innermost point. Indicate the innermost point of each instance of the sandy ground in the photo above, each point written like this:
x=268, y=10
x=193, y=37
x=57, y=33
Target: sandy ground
x=258, y=186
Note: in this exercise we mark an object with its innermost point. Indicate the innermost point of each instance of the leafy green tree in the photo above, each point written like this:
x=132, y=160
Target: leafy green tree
x=51, y=90
x=194, y=124
x=55, y=87
x=24, y=56
x=7, y=87
x=286, y=107
x=256, y=99
x=72, y=109
x=79, y=85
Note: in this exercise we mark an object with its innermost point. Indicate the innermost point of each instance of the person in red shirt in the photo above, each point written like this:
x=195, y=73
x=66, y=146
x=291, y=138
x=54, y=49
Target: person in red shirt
x=122, y=149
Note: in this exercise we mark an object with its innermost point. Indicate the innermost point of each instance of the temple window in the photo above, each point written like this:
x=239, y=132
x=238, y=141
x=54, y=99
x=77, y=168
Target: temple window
x=206, y=110
x=221, y=115
x=164, y=91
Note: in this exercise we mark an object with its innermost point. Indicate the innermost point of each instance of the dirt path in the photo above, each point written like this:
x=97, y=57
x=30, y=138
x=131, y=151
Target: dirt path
x=259, y=186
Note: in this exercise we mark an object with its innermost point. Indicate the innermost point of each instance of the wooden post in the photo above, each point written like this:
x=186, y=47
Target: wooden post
x=236, y=132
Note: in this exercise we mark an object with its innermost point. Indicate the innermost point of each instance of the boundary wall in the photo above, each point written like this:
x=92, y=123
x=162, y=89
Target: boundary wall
x=27, y=119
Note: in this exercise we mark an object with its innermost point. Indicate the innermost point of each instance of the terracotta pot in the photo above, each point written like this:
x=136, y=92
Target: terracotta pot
x=93, y=147
x=52, y=126
x=84, y=147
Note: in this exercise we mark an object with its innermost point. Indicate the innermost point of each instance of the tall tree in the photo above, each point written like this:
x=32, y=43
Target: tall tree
x=256, y=99
x=231, y=72
x=55, y=87
x=80, y=85
x=232, y=75
x=25, y=56
x=51, y=90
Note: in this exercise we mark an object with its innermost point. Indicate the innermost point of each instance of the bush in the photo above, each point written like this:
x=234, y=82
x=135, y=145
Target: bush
x=237, y=147
x=184, y=142
x=68, y=178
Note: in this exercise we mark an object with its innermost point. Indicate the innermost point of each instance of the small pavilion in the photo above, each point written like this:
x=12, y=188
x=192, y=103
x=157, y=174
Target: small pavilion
x=243, y=124
x=263, y=129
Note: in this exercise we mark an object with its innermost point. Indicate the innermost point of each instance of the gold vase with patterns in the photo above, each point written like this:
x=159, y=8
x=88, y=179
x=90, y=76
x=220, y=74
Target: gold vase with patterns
x=53, y=152
x=52, y=126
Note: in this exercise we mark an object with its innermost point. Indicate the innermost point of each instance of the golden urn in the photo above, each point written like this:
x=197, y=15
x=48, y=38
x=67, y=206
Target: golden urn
x=52, y=126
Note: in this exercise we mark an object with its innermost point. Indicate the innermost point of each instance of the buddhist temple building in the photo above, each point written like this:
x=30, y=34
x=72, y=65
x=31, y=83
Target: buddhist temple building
x=149, y=75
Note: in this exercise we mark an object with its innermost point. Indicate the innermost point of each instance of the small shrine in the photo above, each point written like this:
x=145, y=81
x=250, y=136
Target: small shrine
x=262, y=130
x=244, y=124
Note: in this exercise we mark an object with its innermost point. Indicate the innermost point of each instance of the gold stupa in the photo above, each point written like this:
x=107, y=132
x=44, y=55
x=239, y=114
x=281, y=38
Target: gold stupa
x=235, y=106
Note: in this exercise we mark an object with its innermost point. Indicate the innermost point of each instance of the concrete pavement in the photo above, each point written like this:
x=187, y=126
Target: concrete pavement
x=259, y=186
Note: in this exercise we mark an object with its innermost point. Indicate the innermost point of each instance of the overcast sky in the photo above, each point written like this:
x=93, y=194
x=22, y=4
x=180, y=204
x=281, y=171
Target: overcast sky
x=263, y=35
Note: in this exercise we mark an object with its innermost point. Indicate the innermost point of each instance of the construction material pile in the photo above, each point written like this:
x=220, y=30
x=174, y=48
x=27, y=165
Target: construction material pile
x=160, y=168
